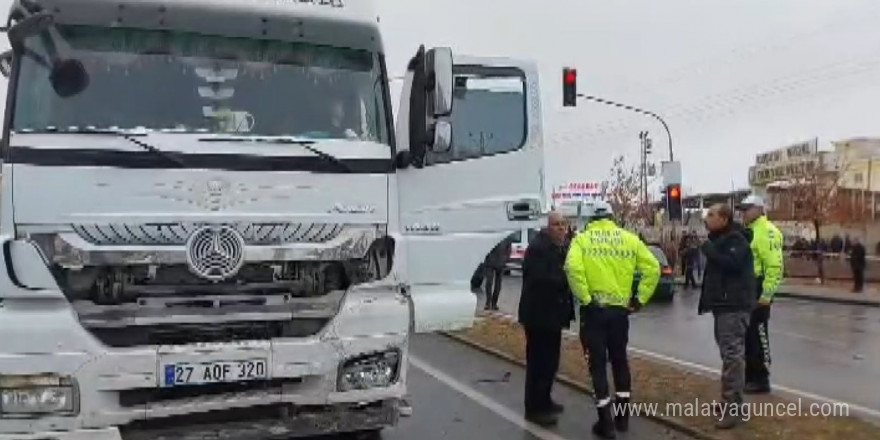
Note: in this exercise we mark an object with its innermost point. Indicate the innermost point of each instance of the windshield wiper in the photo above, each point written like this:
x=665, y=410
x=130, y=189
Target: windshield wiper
x=305, y=143
x=129, y=135
x=168, y=156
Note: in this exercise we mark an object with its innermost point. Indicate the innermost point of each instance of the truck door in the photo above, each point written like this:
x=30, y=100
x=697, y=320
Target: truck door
x=456, y=205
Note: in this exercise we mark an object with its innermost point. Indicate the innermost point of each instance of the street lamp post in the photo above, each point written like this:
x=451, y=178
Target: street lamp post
x=637, y=110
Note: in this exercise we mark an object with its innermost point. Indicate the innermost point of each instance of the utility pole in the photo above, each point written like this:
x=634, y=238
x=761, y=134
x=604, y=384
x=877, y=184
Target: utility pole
x=645, y=154
x=644, y=151
x=642, y=136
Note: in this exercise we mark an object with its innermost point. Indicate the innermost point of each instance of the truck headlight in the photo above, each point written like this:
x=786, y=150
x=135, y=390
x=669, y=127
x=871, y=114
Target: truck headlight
x=371, y=371
x=42, y=394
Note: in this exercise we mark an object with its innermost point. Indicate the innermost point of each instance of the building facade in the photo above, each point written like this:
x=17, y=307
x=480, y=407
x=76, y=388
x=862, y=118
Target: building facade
x=848, y=173
x=776, y=167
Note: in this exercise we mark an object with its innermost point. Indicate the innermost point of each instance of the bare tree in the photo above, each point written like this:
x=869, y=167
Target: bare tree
x=622, y=191
x=814, y=195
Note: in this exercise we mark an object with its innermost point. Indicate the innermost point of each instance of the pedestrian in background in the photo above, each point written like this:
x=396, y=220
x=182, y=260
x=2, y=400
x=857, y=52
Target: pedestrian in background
x=493, y=266
x=766, y=245
x=728, y=293
x=682, y=247
x=546, y=308
x=701, y=263
x=858, y=262
x=600, y=266
x=690, y=256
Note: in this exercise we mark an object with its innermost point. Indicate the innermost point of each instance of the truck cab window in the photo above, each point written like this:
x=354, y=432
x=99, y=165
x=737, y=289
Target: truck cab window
x=489, y=113
x=209, y=84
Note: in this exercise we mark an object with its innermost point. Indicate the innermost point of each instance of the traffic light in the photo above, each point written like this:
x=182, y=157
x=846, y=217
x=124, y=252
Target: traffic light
x=673, y=202
x=569, y=87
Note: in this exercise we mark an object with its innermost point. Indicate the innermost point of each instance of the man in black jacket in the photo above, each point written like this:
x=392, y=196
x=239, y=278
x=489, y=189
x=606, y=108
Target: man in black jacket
x=728, y=292
x=493, y=267
x=545, y=308
x=858, y=262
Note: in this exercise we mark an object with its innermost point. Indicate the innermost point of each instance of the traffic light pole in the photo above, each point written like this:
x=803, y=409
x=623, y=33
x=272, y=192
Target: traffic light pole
x=645, y=153
x=637, y=110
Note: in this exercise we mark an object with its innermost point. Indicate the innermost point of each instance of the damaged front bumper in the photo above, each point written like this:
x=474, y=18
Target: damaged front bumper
x=278, y=422
x=262, y=423
x=120, y=392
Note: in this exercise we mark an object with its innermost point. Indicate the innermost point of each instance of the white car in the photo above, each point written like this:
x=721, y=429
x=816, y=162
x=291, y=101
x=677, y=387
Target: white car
x=518, y=249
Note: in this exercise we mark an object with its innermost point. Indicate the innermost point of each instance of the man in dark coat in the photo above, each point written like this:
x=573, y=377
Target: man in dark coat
x=858, y=262
x=728, y=293
x=493, y=267
x=546, y=307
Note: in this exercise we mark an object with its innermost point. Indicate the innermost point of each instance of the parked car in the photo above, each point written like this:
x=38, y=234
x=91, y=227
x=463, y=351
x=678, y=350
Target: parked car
x=666, y=286
x=521, y=241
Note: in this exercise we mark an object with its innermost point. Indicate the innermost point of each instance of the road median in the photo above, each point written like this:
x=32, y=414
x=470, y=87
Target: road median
x=807, y=293
x=672, y=396
x=831, y=298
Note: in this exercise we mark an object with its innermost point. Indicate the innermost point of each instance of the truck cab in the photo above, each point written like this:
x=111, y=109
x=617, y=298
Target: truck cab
x=210, y=224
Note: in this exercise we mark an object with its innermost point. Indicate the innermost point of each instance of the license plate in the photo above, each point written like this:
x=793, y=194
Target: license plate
x=215, y=372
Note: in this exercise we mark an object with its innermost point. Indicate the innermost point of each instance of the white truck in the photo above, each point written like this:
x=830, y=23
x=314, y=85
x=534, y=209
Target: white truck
x=210, y=228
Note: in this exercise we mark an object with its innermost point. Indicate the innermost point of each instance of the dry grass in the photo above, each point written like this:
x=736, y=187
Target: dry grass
x=655, y=382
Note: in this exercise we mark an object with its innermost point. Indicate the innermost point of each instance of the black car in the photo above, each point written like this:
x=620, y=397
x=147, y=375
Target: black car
x=666, y=286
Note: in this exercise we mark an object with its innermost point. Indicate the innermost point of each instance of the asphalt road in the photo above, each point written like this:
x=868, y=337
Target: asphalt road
x=818, y=349
x=460, y=393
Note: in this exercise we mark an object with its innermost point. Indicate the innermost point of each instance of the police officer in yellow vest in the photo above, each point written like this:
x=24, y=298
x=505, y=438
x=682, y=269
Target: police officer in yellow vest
x=600, y=266
x=766, y=247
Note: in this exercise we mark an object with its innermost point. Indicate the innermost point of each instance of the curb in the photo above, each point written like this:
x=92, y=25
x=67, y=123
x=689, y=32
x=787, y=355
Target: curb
x=831, y=300
x=823, y=299
x=571, y=383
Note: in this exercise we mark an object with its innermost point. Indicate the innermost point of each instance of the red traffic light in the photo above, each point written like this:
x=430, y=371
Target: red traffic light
x=569, y=87
x=674, y=192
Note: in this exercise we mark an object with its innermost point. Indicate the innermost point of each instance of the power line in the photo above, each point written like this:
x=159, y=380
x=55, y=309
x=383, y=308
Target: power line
x=637, y=110
x=744, y=94
x=740, y=97
x=683, y=73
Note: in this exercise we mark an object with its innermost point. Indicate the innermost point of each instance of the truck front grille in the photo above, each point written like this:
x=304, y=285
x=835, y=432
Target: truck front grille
x=181, y=334
x=176, y=234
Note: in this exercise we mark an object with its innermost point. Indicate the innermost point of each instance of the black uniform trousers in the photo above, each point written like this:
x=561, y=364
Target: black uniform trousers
x=758, y=344
x=604, y=335
x=542, y=363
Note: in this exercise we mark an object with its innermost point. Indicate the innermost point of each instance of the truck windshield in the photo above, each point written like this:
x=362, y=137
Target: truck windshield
x=178, y=81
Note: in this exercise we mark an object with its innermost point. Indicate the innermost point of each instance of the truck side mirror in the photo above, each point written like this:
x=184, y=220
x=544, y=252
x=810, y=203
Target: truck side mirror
x=69, y=77
x=430, y=99
x=442, y=141
x=418, y=109
x=440, y=80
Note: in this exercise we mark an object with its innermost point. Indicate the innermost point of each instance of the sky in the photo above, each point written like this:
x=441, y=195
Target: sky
x=731, y=78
